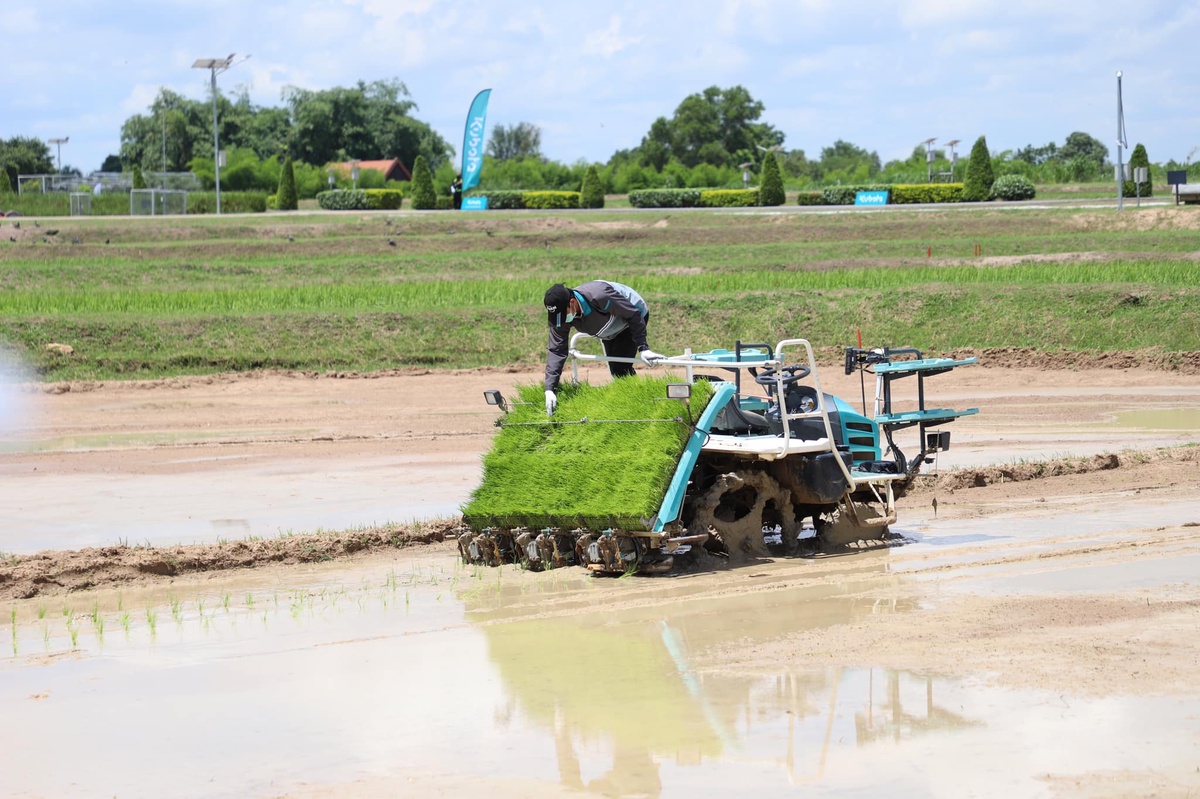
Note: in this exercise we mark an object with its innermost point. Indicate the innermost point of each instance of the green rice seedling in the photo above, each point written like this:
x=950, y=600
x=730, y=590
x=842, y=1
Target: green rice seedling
x=98, y=626
x=41, y=612
x=604, y=460
x=225, y=602
x=125, y=623
x=120, y=601
x=249, y=601
x=73, y=632
x=176, y=609
x=152, y=622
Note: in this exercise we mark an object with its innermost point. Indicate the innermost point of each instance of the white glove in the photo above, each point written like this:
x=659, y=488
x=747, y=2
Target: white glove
x=650, y=357
x=551, y=402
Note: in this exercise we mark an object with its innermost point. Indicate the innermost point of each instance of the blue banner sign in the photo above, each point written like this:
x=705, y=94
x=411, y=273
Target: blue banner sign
x=871, y=198
x=474, y=203
x=472, y=151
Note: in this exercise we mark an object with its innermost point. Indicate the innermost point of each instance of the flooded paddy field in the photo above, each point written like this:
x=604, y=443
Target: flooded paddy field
x=1032, y=638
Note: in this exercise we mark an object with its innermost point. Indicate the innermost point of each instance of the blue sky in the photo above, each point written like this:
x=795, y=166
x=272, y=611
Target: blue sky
x=594, y=75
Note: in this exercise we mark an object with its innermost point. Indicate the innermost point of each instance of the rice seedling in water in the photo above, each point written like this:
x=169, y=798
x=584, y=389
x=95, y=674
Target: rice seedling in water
x=249, y=601
x=152, y=622
x=41, y=612
x=225, y=602
x=73, y=631
x=125, y=623
x=177, y=610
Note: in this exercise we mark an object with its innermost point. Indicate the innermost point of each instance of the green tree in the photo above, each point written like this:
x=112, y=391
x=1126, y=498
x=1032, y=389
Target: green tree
x=139, y=180
x=1138, y=158
x=770, y=185
x=5, y=186
x=523, y=140
x=112, y=163
x=843, y=159
x=25, y=156
x=424, y=197
x=716, y=126
x=977, y=185
x=591, y=195
x=285, y=198
x=1081, y=145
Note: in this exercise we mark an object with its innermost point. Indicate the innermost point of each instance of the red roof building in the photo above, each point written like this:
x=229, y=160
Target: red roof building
x=391, y=168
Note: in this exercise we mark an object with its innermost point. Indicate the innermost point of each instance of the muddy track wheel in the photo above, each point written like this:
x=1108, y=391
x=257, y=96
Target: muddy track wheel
x=841, y=528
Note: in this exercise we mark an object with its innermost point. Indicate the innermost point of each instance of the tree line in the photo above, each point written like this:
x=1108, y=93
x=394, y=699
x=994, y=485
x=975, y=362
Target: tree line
x=713, y=138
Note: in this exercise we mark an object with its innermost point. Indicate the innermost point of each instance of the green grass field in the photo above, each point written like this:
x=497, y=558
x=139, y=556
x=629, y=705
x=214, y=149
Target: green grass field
x=138, y=298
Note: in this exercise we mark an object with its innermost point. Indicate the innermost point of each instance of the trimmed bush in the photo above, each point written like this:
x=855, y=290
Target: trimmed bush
x=424, y=198
x=384, y=199
x=770, y=186
x=285, y=198
x=977, y=185
x=811, y=198
x=545, y=200
x=844, y=195
x=1013, y=187
x=5, y=185
x=344, y=200
x=729, y=198
x=591, y=195
x=908, y=193
x=665, y=198
x=505, y=200
x=232, y=202
x=139, y=180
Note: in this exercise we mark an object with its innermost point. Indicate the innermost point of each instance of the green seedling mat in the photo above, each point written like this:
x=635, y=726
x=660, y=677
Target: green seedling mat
x=603, y=460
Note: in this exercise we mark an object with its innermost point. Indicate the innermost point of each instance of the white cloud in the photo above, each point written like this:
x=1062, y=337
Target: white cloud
x=608, y=41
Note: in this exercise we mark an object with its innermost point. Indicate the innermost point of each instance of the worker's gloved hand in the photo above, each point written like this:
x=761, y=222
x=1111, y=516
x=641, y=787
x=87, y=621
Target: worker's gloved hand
x=551, y=402
x=650, y=357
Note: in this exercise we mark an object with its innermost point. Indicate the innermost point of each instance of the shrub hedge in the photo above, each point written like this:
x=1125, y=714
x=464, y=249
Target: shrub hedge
x=1013, y=187
x=544, y=200
x=844, y=195
x=505, y=200
x=665, y=198
x=926, y=193
x=344, y=200
x=384, y=199
x=811, y=198
x=591, y=194
x=728, y=198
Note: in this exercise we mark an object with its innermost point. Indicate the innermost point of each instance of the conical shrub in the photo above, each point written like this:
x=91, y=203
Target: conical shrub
x=977, y=185
x=285, y=198
x=424, y=198
x=592, y=193
x=1138, y=158
x=770, y=186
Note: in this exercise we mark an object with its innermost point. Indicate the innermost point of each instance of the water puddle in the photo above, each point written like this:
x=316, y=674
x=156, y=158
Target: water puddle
x=1173, y=419
x=313, y=681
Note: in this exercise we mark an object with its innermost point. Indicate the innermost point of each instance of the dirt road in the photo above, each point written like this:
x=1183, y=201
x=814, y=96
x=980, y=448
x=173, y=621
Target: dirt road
x=1031, y=637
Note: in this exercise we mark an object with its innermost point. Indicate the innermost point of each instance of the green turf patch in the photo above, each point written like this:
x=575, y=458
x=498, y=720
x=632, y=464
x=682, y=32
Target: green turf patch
x=604, y=460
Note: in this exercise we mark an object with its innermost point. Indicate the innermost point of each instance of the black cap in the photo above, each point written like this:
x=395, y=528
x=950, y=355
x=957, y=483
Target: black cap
x=558, y=297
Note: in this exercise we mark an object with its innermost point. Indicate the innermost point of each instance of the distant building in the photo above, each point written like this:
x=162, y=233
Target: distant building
x=391, y=168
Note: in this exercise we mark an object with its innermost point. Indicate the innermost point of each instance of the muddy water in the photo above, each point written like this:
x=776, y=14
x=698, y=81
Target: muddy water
x=427, y=676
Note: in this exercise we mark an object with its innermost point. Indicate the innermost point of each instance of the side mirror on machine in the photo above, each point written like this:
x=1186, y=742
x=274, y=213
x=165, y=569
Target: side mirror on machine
x=494, y=397
x=937, y=442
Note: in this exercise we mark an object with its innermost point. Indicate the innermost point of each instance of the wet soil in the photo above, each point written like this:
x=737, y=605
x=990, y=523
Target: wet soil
x=1031, y=631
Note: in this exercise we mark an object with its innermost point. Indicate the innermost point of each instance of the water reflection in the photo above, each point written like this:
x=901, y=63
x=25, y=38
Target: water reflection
x=628, y=692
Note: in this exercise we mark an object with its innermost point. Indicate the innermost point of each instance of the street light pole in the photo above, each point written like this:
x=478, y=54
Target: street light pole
x=1121, y=142
x=60, y=143
x=216, y=66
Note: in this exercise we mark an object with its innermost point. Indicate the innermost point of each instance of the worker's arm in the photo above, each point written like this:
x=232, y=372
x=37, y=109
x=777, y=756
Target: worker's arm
x=556, y=355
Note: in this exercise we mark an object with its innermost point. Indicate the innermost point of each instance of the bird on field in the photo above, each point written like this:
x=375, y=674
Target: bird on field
x=391, y=242
x=51, y=232
x=488, y=232
x=76, y=240
x=106, y=241
x=12, y=238
x=36, y=223
x=291, y=238
x=17, y=225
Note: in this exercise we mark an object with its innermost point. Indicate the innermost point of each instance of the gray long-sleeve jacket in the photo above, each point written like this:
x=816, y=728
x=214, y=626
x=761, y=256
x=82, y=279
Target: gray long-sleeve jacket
x=608, y=309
